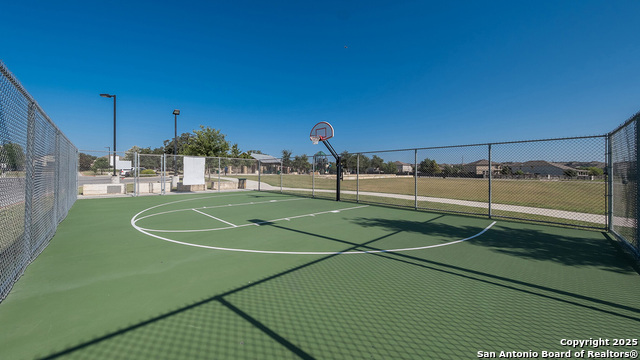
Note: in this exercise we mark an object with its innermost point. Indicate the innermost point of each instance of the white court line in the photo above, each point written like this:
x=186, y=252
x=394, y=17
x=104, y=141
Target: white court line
x=145, y=231
x=251, y=224
x=214, y=207
x=213, y=217
x=311, y=252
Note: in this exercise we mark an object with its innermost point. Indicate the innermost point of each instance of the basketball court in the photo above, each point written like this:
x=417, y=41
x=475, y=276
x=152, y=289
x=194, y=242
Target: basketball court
x=247, y=275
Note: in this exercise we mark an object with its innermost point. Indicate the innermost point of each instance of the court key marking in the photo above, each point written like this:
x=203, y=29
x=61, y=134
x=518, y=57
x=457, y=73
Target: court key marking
x=146, y=232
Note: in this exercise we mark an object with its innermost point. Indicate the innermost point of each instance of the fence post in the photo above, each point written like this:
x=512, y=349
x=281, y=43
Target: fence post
x=637, y=155
x=259, y=172
x=609, y=189
x=358, y=177
x=281, y=171
x=137, y=182
x=313, y=177
x=490, y=178
x=163, y=169
x=415, y=179
x=29, y=177
x=219, y=170
x=56, y=180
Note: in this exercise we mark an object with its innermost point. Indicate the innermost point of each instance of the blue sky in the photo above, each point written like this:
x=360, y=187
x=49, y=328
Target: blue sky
x=385, y=74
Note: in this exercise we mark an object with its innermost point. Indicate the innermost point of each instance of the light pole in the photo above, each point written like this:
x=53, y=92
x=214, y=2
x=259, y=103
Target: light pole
x=176, y=112
x=114, y=129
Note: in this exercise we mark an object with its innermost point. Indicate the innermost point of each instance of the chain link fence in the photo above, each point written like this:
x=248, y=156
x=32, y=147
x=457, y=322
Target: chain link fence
x=557, y=181
x=97, y=175
x=623, y=184
x=38, y=179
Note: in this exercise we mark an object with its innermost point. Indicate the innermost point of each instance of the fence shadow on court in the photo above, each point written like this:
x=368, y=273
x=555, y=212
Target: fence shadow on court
x=525, y=243
x=381, y=305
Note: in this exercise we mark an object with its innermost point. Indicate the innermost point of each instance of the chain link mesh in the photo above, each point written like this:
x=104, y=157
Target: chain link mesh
x=38, y=179
x=558, y=181
x=624, y=183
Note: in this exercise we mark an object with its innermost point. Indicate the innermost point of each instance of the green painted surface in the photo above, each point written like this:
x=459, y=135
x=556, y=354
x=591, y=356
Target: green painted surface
x=103, y=290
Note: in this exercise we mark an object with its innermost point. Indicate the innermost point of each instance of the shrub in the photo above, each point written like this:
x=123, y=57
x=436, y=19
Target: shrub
x=148, y=172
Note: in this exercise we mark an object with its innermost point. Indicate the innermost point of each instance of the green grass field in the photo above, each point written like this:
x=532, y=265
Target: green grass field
x=579, y=196
x=252, y=275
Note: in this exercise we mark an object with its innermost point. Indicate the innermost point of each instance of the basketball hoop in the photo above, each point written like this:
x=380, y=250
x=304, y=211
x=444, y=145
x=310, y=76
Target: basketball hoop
x=321, y=131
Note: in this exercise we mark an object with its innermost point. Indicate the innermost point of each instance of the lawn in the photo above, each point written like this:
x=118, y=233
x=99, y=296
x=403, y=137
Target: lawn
x=578, y=195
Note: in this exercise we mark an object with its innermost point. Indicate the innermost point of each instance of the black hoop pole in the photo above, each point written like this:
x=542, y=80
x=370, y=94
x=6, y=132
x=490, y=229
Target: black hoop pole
x=339, y=167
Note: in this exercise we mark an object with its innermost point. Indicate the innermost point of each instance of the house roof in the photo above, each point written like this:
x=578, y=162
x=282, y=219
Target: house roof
x=546, y=163
x=479, y=162
x=483, y=162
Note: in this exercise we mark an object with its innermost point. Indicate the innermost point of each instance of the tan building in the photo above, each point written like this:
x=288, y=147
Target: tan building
x=546, y=168
x=404, y=168
x=481, y=167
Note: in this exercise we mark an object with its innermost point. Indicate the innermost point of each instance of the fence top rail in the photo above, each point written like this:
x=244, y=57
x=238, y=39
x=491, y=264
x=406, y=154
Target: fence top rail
x=484, y=144
x=633, y=118
x=16, y=84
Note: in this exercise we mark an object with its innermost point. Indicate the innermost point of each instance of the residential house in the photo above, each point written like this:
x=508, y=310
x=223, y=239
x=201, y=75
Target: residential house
x=404, y=168
x=481, y=167
x=548, y=169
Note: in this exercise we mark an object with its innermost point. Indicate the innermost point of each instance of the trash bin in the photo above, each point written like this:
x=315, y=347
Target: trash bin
x=242, y=183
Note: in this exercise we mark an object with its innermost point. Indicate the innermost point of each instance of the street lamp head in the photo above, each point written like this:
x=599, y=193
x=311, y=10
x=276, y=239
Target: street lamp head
x=176, y=112
x=107, y=95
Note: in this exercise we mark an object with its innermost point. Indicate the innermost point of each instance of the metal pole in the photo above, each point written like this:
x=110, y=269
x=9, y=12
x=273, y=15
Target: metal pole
x=339, y=165
x=136, y=170
x=281, y=170
x=637, y=155
x=415, y=178
x=175, y=144
x=29, y=180
x=609, y=183
x=357, y=177
x=490, y=177
x=313, y=178
x=162, y=176
x=56, y=191
x=259, y=172
x=114, y=135
x=218, y=174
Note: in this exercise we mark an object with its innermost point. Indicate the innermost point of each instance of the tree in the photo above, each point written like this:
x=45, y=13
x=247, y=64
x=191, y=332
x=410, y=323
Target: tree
x=301, y=163
x=429, y=167
x=377, y=162
x=595, y=171
x=348, y=161
x=129, y=154
x=570, y=173
x=448, y=170
x=183, y=140
x=389, y=168
x=286, y=160
x=85, y=161
x=235, y=151
x=13, y=156
x=100, y=164
x=364, y=161
x=207, y=142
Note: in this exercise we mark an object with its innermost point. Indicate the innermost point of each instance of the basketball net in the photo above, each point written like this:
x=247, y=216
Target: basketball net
x=315, y=139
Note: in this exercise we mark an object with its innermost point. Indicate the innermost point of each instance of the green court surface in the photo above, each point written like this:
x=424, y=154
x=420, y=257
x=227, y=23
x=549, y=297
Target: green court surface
x=254, y=275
